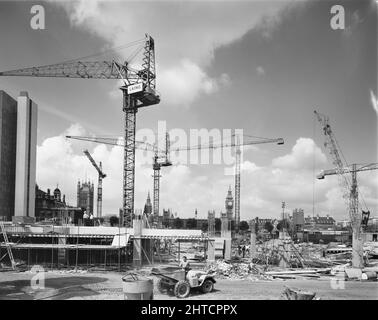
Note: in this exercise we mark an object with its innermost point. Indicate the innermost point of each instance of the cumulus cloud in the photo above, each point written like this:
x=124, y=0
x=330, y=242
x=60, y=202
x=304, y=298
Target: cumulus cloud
x=182, y=84
x=260, y=71
x=288, y=178
x=75, y=129
x=303, y=156
x=184, y=49
x=374, y=101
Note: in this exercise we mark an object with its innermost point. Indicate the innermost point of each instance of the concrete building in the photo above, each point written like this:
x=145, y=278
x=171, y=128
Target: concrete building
x=319, y=222
x=53, y=207
x=85, y=193
x=8, y=140
x=298, y=220
x=26, y=149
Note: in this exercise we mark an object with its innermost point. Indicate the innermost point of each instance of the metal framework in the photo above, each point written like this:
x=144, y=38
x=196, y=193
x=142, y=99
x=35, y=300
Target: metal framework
x=141, y=96
x=353, y=194
x=344, y=181
x=350, y=169
x=237, y=184
x=164, y=155
x=101, y=175
x=349, y=186
x=156, y=167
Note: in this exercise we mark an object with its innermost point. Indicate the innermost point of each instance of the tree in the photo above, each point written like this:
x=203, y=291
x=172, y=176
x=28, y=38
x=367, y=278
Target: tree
x=284, y=224
x=268, y=226
x=178, y=223
x=243, y=225
x=205, y=227
x=114, y=221
x=218, y=224
x=191, y=223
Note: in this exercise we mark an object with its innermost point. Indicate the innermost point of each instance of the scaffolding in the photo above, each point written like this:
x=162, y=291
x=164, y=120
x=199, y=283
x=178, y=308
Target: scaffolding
x=55, y=248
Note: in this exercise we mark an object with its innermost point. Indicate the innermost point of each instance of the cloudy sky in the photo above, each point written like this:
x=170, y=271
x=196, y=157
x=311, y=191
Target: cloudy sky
x=260, y=66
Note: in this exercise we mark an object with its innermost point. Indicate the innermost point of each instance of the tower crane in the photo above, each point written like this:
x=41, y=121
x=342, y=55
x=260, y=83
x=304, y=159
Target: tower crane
x=101, y=175
x=238, y=152
x=160, y=159
x=166, y=161
x=348, y=185
x=138, y=89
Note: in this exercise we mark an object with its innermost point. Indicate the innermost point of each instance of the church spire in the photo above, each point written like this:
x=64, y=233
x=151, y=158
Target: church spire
x=148, y=205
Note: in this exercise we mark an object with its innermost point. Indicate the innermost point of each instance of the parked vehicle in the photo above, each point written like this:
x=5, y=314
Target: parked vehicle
x=180, y=282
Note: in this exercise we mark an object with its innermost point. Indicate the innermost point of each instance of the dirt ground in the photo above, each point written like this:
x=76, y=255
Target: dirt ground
x=108, y=286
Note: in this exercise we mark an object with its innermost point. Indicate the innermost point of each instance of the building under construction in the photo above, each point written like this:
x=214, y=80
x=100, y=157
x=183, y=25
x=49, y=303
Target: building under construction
x=68, y=246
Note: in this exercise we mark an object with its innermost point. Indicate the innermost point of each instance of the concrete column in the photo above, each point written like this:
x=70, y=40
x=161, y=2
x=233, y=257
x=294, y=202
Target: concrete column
x=285, y=255
x=225, y=231
x=137, y=241
x=357, y=253
x=252, y=247
x=227, y=249
x=210, y=251
x=62, y=254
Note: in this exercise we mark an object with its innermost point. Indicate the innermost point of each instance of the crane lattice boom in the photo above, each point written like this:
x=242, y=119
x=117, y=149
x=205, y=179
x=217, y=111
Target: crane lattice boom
x=99, y=170
x=349, y=169
x=348, y=184
x=331, y=145
x=101, y=175
x=157, y=164
x=139, y=90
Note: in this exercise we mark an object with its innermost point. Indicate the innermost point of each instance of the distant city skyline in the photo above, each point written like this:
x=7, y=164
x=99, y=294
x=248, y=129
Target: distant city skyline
x=260, y=66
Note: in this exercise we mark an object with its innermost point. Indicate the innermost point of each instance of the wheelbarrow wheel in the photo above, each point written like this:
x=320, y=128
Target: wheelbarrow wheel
x=182, y=289
x=161, y=286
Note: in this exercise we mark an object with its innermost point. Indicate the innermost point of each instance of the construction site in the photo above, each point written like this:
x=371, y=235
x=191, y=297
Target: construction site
x=59, y=251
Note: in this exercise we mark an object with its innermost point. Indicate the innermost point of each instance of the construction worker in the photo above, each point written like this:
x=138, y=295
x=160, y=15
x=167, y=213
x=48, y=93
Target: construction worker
x=85, y=218
x=184, y=264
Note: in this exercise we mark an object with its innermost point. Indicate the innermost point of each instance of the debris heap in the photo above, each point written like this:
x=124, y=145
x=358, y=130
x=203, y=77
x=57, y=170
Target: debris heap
x=238, y=270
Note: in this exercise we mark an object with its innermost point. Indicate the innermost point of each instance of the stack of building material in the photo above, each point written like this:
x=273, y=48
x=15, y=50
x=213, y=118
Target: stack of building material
x=238, y=270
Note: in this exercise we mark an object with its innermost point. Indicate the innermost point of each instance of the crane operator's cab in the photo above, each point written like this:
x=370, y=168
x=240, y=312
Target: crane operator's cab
x=143, y=93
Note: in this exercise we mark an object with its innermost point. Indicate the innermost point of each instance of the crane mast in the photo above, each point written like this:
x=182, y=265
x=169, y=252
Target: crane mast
x=349, y=188
x=157, y=167
x=237, y=184
x=101, y=175
x=139, y=90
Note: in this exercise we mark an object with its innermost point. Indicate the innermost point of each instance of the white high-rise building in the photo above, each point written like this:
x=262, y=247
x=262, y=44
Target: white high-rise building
x=27, y=112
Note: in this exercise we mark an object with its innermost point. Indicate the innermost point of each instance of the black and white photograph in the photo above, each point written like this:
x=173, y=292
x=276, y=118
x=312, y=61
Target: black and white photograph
x=195, y=152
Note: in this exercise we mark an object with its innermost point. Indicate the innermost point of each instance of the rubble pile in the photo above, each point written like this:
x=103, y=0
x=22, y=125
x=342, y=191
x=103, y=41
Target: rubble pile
x=238, y=270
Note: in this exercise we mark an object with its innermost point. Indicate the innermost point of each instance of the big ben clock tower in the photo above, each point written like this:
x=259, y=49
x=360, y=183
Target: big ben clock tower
x=229, y=204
